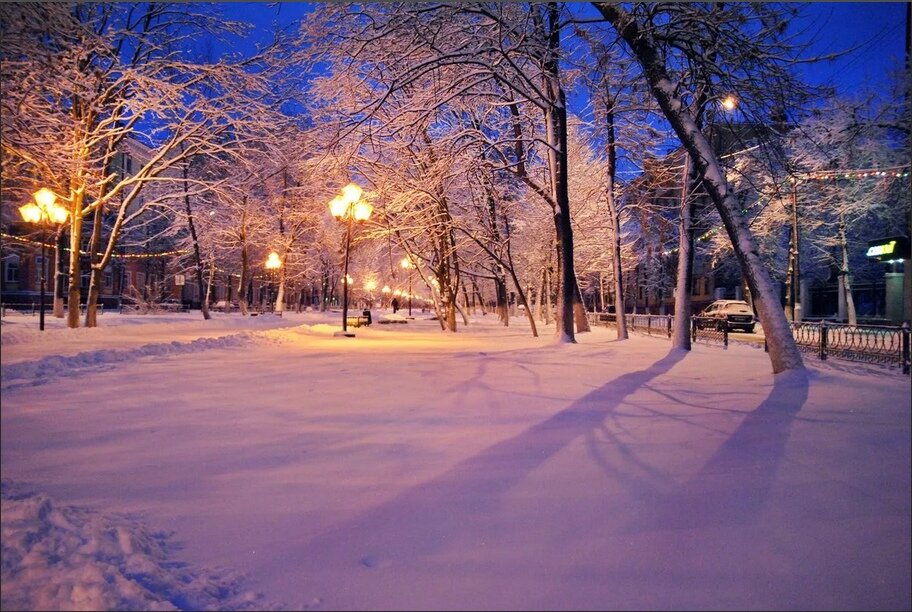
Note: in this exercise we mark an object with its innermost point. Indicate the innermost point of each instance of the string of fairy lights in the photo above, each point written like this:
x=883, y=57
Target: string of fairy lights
x=25, y=240
x=832, y=175
x=892, y=172
x=855, y=174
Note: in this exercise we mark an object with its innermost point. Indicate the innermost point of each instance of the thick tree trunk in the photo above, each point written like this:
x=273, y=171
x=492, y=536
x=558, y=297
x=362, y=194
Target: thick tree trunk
x=783, y=352
x=500, y=290
x=75, y=240
x=556, y=134
x=684, y=286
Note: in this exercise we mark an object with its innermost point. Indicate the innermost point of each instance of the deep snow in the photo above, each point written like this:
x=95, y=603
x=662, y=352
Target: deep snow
x=162, y=462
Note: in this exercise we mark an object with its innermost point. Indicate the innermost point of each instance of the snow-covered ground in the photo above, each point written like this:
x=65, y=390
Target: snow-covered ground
x=162, y=462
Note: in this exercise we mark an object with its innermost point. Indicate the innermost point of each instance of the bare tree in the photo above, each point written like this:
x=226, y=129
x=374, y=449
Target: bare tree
x=82, y=80
x=640, y=32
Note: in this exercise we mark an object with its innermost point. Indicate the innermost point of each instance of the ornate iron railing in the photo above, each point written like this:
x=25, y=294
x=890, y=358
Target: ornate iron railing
x=709, y=330
x=877, y=344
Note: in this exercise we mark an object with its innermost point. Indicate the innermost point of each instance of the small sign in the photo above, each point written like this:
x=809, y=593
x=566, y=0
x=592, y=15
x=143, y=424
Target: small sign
x=179, y=279
x=889, y=249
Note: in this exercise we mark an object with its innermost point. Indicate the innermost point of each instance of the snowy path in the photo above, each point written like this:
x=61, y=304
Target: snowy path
x=410, y=469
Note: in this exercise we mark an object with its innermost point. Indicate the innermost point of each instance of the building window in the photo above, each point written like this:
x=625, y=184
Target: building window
x=11, y=269
x=41, y=266
x=84, y=280
x=108, y=278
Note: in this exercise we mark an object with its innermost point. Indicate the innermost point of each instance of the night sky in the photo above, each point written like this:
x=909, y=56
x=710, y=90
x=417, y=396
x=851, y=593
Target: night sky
x=874, y=31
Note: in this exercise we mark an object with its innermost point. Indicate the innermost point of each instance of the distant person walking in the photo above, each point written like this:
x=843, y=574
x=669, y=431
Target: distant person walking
x=395, y=305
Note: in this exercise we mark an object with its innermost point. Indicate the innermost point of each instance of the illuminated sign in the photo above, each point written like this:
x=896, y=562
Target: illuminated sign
x=889, y=249
x=882, y=249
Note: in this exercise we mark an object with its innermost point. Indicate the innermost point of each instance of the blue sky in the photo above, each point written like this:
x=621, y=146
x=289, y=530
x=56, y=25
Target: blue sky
x=874, y=31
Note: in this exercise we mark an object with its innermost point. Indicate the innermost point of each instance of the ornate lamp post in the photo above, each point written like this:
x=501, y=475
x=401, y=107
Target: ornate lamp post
x=44, y=212
x=349, y=207
x=407, y=264
x=273, y=263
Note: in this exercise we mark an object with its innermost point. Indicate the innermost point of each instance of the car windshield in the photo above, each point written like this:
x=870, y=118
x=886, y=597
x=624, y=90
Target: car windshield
x=738, y=308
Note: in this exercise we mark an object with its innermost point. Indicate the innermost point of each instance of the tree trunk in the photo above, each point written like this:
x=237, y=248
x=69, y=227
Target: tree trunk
x=242, y=289
x=204, y=302
x=845, y=278
x=684, y=285
x=59, y=274
x=579, y=312
x=783, y=352
x=617, y=263
x=796, y=256
x=556, y=134
x=500, y=290
x=549, y=287
x=75, y=240
x=91, y=312
x=280, y=294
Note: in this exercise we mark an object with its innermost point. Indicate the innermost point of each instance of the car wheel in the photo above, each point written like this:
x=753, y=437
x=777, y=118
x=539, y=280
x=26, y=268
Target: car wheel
x=720, y=325
x=749, y=329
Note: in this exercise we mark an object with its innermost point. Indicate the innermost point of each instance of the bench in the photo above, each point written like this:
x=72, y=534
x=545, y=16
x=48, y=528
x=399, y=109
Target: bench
x=357, y=321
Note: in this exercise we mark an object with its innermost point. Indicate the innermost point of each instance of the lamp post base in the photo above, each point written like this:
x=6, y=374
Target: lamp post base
x=347, y=334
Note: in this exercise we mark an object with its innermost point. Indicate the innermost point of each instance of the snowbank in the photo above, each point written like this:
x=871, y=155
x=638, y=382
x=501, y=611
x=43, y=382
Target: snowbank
x=59, y=557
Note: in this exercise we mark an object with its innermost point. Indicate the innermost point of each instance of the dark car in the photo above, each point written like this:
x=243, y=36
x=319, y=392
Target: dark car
x=735, y=314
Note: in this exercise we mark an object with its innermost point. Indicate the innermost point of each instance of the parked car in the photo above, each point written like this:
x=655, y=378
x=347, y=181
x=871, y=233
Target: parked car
x=736, y=314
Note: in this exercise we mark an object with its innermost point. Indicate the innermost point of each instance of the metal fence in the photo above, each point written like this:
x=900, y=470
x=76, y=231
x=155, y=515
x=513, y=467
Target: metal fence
x=877, y=344
x=33, y=308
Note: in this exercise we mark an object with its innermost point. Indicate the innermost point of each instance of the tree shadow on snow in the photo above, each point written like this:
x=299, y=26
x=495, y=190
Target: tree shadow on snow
x=734, y=484
x=458, y=503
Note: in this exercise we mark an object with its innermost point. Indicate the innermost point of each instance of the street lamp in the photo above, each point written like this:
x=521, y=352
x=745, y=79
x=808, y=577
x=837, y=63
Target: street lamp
x=43, y=212
x=273, y=263
x=729, y=102
x=369, y=286
x=349, y=207
x=407, y=264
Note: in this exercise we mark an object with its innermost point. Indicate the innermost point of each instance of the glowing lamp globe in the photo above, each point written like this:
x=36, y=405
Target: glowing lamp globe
x=351, y=193
x=273, y=262
x=338, y=207
x=362, y=211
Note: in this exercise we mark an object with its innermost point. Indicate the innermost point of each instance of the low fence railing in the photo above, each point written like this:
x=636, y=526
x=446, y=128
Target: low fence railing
x=33, y=308
x=877, y=344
